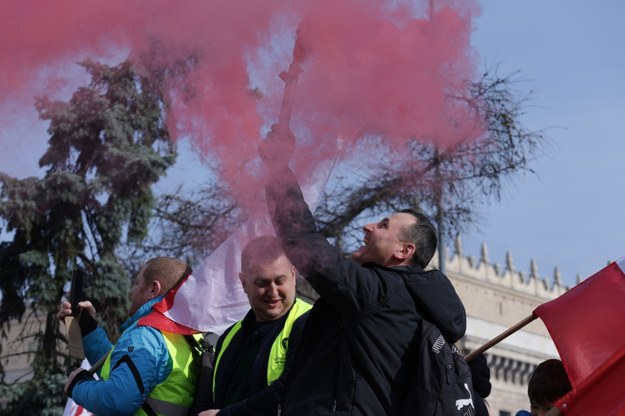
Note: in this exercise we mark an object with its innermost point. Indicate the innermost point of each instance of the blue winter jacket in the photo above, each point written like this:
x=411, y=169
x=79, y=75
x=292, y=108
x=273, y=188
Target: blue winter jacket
x=140, y=360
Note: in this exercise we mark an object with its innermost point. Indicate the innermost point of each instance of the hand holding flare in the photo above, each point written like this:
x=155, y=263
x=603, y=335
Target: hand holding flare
x=278, y=148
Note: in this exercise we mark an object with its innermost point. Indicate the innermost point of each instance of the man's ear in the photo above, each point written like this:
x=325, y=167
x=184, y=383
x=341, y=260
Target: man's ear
x=242, y=279
x=155, y=288
x=406, y=251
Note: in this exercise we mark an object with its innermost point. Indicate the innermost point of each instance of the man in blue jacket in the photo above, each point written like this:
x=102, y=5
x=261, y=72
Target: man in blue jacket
x=360, y=348
x=253, y=357
x=148, y=371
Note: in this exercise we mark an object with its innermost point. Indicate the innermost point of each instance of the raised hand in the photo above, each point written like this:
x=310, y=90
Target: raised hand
x=278, y=148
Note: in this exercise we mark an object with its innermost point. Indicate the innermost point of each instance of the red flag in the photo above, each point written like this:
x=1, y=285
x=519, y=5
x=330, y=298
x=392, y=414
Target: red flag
x=585, y=324
x=602, y=393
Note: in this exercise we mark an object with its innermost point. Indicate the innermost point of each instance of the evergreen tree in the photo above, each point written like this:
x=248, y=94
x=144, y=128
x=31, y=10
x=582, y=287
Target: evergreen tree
x=108, y=145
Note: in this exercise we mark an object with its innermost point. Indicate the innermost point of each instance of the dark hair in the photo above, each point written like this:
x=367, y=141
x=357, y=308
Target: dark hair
x=423, y=235
x=548, y=383
x=266, y=247
x=168, y=271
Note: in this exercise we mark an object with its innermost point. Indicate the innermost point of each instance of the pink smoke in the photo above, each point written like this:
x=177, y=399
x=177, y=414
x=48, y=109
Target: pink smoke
x=372, y=68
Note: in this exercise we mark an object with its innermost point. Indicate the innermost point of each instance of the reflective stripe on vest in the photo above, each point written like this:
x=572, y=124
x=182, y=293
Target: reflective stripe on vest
x=277, y=354
x=174, y=396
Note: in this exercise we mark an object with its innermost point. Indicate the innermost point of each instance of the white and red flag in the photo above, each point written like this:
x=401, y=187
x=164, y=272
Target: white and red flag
x=586, y=325
x=71, y=407
x=212, y=298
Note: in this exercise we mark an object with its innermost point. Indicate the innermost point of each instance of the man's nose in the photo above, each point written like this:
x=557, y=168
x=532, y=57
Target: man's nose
x=273, y=288
x=368, y=227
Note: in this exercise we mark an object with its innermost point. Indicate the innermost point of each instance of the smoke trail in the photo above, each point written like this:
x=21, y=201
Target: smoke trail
x=377, y=67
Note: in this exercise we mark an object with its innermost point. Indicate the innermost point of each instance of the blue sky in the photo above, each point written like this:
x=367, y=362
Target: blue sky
x=571, y=54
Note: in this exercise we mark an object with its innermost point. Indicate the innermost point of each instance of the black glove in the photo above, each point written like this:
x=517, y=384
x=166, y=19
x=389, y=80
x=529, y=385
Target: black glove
x=480, y=375
x=82, y=376
x=86, y=322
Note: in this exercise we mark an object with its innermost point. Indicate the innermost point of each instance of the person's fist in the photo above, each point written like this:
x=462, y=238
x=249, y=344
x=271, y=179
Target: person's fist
x=86, y=315
x=278, y=148
x=64, y=310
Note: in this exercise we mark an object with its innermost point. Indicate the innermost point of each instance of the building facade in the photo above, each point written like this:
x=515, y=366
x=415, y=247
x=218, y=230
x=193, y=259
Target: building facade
x=497, y=298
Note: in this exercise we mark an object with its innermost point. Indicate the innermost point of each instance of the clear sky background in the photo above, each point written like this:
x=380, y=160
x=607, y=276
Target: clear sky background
x=571, y=54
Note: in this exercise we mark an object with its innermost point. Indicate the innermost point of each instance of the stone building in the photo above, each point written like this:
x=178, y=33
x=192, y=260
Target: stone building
x=17, y=348
x=496, y=298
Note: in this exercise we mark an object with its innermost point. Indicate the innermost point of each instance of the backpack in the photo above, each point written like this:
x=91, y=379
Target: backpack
x=203, y=351
x=442, y=384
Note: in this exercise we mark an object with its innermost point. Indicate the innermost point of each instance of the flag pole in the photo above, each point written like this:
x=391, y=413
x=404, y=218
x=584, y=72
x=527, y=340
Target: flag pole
x=74, y=335
x=500, y=337
x=290, y=78
x=99, y=363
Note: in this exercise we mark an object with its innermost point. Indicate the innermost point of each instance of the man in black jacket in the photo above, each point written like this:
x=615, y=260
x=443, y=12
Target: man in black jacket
x=359, y=350
x=253, y=356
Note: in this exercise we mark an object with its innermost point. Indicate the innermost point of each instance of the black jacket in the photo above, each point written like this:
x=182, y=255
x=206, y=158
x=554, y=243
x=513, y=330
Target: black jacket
x=358, y=351
x=262, y=399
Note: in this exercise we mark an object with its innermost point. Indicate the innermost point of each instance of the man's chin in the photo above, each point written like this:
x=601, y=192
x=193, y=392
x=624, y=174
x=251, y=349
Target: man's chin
x=275, y=310
x=271, y=315
x=358, y=257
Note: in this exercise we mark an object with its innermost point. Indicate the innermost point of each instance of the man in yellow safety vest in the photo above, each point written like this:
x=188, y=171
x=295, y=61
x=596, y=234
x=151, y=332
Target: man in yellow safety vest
x=149, y=371
x=253, y=357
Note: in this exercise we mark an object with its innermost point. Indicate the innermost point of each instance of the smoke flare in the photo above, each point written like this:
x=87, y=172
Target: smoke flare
x=377, y=68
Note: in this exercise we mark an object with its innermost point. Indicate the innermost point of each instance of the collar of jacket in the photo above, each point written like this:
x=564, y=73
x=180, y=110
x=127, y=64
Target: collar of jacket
x=141, y=312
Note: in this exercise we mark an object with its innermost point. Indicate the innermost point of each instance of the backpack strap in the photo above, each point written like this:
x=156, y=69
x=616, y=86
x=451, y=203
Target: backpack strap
x=203, y=362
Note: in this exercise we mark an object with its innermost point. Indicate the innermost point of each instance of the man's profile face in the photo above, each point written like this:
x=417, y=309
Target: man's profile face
x=140, y=292
x=382, y=239
x=270, y=287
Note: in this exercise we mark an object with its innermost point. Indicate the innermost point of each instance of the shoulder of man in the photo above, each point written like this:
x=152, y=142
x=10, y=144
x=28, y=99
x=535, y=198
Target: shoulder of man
x=141, y=341
x=437, y=301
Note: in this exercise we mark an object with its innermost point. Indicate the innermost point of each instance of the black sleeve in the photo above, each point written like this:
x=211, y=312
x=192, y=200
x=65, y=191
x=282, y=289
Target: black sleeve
x=480, y=405
x=349, y=287
x=266, y=401
x=480, y=375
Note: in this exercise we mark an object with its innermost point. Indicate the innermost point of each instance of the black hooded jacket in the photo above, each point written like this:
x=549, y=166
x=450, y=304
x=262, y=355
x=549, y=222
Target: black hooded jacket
x=359, y=349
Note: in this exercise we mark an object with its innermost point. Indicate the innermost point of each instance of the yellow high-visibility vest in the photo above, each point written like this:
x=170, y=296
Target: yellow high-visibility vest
x=174, y=396
x=277, y=354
